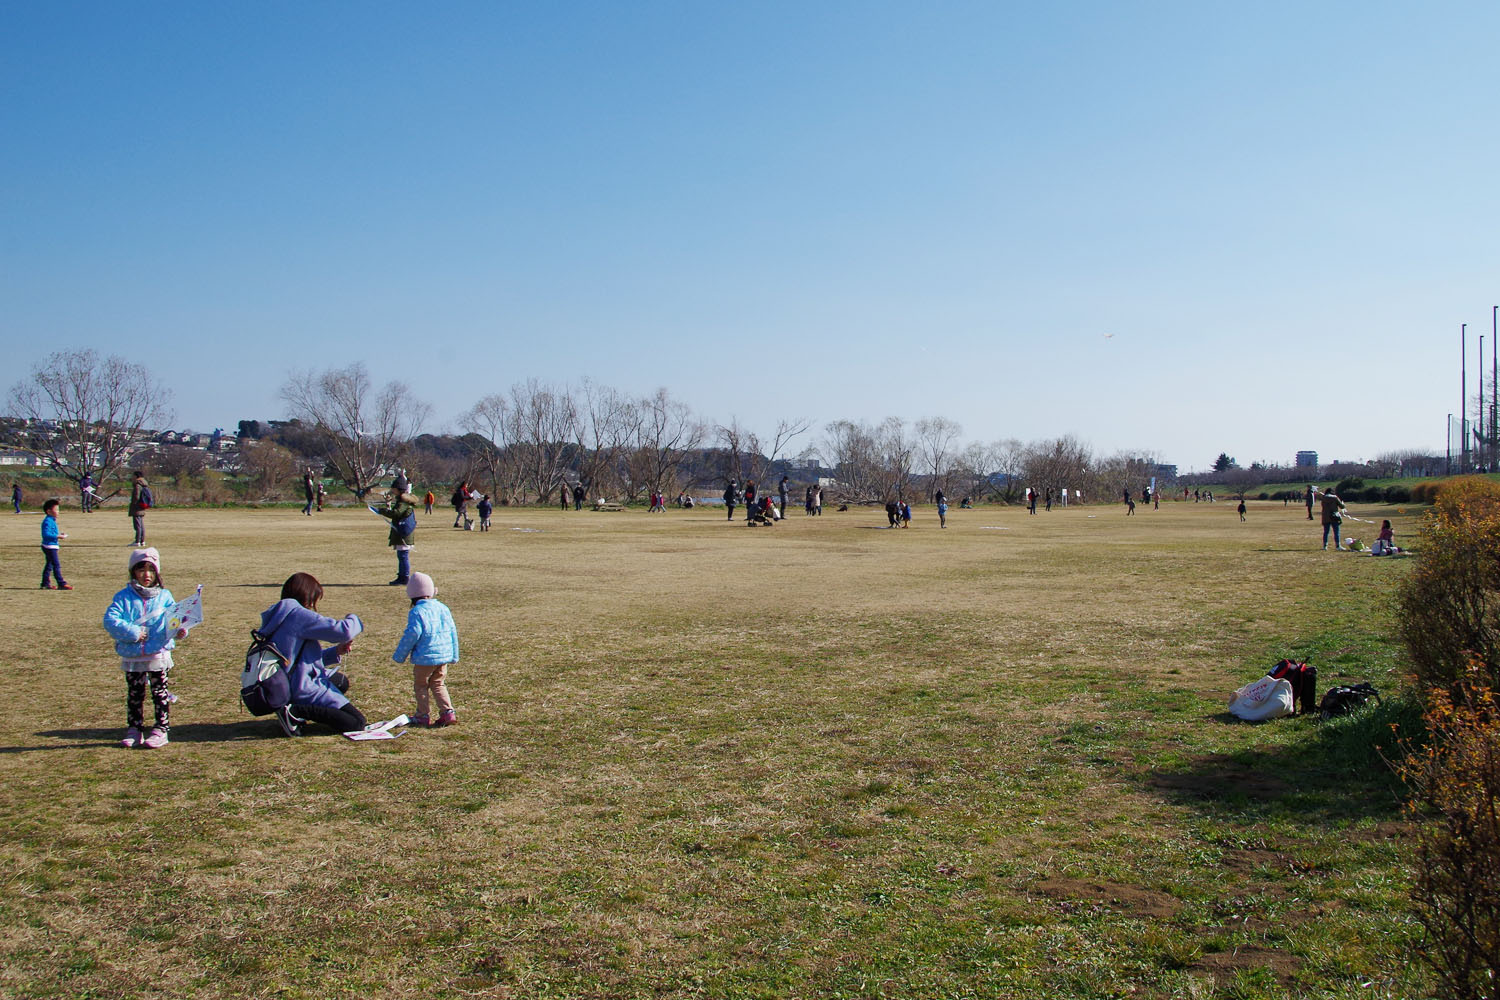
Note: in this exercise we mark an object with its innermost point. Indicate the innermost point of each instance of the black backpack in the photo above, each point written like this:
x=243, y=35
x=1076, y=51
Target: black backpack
x=264, y=685
x=1344, y=699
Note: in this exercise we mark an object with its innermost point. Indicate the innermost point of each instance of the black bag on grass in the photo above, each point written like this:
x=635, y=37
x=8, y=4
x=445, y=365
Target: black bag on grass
x=1344, y=699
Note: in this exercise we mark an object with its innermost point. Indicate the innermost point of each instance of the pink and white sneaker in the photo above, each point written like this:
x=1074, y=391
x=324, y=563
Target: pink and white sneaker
x=155, y=740
x=132, y=738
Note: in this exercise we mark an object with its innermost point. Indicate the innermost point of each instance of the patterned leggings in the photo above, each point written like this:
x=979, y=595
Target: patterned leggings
x=135, y=697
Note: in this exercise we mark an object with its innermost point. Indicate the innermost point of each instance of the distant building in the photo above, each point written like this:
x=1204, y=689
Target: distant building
x=1165, y=473
x=1306, y=460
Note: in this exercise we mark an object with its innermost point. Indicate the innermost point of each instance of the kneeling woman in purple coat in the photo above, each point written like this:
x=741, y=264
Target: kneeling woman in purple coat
x=319, y=690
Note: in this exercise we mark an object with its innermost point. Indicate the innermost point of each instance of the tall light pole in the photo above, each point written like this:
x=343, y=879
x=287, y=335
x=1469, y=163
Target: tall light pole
x=1494, y=385
x=1463, y=396
x=1479, y=431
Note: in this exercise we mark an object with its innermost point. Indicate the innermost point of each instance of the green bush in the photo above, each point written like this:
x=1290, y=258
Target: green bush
x=1448, y=608
x=1348, y=485
x=1397, y=494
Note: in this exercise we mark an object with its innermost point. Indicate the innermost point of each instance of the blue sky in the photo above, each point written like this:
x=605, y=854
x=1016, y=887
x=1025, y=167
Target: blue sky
x=1178, y=227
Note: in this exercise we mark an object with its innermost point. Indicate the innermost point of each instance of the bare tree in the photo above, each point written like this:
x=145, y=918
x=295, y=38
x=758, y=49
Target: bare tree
x=176, y=462
x=852, y=450
x=1008, y=462
x=732, y=440
x=1059, y=464
x=268, y=465
x=898, y=449
x=668, y=432
x=936, y=438
x=362, y=432
x=607, y=428
x=788, y=429
x=542, y=422
x=486, y=425
x=86, y=414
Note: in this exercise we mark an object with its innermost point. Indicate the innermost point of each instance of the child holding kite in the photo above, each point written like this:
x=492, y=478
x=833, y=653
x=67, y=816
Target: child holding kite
x=401, y=510
x=145, y=652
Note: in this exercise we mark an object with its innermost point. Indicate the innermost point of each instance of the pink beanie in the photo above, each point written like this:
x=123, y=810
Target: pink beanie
x=420, y=585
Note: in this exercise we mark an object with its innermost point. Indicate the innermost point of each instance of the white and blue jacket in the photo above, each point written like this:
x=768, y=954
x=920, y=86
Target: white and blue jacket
x=123, y=622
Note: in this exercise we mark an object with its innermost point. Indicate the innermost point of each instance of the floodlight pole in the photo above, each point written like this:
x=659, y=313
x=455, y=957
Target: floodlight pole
x=1480, y=429
x=1463, y=396
x=1494, y=379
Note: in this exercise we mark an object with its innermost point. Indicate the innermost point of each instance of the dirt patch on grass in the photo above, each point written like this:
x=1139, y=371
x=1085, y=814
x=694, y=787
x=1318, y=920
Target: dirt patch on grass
x=1224, y=964
x=1129, y=900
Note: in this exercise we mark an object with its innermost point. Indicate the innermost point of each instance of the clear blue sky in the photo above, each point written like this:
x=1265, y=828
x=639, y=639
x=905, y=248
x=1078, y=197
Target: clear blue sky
x=1279, y=213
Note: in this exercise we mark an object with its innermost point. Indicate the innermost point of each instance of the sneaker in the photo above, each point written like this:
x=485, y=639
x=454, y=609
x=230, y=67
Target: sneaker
x=64, y=586
x=447, y=719
x=132, y=738
x=155, y=740
x=48, y=586
x=419, y=721
x=290, y=724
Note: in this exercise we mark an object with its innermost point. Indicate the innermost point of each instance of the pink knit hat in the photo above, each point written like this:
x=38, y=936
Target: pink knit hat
x=138, y=556
x=420, y=585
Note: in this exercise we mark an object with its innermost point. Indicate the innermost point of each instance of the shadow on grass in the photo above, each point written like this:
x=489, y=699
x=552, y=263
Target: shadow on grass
x=1337, y=771
x=192, y=732
x=277, y=586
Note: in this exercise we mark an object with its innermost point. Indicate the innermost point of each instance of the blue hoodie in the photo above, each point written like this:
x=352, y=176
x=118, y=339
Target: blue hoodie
x=296, y=631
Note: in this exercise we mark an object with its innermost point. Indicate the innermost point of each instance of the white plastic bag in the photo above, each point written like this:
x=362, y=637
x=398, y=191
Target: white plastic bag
x=1267, y=698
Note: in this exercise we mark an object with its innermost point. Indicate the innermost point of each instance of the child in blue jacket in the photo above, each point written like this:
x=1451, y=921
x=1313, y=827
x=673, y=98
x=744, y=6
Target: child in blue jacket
x=431, y=640
x=50, y=535
x=145, y=651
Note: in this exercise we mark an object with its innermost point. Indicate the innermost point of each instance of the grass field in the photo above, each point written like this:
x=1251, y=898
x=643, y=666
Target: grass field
x=700, y=759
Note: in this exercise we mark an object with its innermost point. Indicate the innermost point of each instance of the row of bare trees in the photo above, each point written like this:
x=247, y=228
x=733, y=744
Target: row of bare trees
x=537, y=438
x=894, y=460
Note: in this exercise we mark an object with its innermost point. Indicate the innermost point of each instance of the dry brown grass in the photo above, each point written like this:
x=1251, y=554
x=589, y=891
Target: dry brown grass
x=825, y=758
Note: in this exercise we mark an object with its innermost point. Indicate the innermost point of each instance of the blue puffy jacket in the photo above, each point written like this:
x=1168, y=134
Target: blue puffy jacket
x=431, y=637
x=123, y=623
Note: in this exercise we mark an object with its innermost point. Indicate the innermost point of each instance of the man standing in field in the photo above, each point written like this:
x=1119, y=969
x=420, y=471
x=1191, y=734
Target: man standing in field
x=1309, y=501
x=1333, y=516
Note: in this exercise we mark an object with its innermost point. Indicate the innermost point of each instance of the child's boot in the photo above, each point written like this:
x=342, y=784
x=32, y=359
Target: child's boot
x=420, y=721
x=448, y=718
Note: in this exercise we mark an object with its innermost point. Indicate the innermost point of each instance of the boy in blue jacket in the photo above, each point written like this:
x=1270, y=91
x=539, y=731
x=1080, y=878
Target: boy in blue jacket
x=431, y=640
x=50, y=535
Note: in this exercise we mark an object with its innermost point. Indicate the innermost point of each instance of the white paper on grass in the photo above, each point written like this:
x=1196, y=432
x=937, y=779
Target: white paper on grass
x=380, y=730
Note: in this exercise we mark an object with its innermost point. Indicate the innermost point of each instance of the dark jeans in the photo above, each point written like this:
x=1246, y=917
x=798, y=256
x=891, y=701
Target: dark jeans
x=139, y=520
x=341, y=720
x=1335, y=527
x=52, y=567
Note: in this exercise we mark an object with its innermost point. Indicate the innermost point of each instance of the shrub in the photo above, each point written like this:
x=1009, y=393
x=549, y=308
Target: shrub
x=1456, y=892
x=1397, y=494
x=1348, y=485
x=1448, y=608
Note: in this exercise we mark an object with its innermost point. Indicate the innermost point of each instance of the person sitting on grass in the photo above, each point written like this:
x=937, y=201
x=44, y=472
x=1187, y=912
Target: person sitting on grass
x=319, y=691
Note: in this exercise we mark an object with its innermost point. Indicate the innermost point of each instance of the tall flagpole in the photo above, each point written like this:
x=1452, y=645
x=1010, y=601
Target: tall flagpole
x=1463, y=397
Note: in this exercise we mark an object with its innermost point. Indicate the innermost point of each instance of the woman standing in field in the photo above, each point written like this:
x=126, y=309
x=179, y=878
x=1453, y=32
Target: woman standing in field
x=319, y=691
